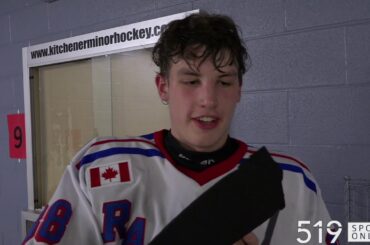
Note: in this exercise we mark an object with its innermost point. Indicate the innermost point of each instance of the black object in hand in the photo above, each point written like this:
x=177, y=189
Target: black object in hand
x=230, y=209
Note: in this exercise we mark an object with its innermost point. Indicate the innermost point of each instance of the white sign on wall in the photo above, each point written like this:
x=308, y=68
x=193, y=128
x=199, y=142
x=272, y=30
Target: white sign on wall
x=123, y=38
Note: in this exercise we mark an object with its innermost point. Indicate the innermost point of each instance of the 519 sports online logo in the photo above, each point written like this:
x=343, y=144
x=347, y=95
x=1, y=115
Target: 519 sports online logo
x=330, y=232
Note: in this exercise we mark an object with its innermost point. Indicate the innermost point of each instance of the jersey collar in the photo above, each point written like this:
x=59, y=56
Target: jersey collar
x=210, y=173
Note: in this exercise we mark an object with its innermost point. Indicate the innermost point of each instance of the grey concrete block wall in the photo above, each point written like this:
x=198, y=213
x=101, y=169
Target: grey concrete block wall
x=297, y=60
x=32, y=21
x=307, y=93
x=4, y=29
x=306, y=14
x=255, y=17
x=262, y=117
x=358, y=50
x=74, y=14
x=330, y=116
x=11, y=59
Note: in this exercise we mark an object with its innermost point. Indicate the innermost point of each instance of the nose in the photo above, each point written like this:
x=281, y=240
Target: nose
x=208, y=96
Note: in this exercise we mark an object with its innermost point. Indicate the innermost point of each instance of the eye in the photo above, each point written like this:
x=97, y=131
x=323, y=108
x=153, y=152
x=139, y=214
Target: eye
x=225, y=83
x=191, y=82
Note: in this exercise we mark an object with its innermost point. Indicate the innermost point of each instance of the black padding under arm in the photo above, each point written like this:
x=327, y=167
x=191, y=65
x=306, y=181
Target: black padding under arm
x=231, y=208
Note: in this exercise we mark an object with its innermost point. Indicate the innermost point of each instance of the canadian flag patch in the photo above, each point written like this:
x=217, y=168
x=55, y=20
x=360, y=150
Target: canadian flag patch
x=112, y=173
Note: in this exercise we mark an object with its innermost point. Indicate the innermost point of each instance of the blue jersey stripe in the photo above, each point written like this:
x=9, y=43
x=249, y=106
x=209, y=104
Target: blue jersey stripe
x=148, y=136
x=156, y=153
x=120, y=150
x=309, y=183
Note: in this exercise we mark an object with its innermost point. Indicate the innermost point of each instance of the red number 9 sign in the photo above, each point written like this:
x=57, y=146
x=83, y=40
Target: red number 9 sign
x=17, y=136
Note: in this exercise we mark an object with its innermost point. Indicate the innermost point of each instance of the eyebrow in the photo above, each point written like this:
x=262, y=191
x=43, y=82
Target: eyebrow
x=187, y=71
x=190, y=72
x=229, y=74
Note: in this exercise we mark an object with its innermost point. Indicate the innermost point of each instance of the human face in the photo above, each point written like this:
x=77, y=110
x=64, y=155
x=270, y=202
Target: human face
x=201, y=102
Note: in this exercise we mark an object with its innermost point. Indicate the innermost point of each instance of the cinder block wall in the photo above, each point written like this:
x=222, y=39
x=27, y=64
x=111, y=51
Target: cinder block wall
x=307, y=93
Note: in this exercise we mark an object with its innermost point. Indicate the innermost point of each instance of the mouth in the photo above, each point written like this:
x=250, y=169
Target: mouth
x=206, y=122
x=206, y=119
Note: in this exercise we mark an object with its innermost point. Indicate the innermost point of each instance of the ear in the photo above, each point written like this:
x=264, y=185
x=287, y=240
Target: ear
x=162, y=87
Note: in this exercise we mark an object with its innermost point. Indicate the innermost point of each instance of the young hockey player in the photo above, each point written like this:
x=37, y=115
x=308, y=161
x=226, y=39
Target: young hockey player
x=192, y=184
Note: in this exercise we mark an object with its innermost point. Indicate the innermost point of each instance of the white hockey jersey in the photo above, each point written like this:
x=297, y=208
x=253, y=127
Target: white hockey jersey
x=125, y=190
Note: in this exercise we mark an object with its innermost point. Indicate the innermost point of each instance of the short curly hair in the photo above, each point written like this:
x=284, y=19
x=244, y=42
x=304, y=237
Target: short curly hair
x=216, y=35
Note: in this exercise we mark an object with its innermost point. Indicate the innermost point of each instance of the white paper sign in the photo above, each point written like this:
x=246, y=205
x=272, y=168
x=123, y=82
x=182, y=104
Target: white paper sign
x=128, y=37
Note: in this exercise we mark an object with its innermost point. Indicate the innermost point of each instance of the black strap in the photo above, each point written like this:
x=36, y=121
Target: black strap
x=270, y=229
x=231, y=208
